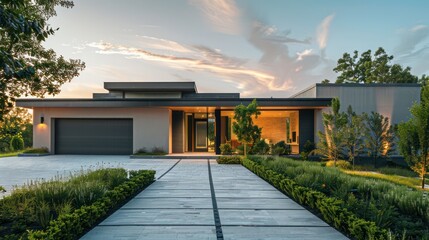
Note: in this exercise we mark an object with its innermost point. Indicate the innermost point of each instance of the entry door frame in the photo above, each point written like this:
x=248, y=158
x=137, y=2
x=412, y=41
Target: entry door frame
x=196, y=121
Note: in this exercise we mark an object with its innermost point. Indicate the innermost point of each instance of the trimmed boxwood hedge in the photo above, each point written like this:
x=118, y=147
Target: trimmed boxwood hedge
x=329, y=208
x=73, y=225
x=229, y=160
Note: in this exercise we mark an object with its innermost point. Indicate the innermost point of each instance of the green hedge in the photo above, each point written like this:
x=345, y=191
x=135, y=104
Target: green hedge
x=73, y=225
x=329, y=208
x=229, y=160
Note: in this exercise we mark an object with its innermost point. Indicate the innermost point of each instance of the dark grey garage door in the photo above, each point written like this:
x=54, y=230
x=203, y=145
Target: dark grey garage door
x=93, y=136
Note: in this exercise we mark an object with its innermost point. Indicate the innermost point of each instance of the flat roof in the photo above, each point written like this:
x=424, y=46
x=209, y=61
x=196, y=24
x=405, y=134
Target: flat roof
x=192, y=102
x=316, y=85
x=188, y=87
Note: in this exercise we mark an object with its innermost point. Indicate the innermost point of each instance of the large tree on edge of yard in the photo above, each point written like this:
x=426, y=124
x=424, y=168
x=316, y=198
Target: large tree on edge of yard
x=414, y=136
x=368, y=68
x=243, y=126
x=26, y=67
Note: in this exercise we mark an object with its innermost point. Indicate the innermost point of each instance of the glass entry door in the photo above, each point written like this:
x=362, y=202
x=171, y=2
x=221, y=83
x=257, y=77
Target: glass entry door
x=201, y=135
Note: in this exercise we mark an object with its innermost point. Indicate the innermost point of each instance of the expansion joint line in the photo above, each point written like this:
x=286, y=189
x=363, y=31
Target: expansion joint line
x=219, y=233
x=169, y=169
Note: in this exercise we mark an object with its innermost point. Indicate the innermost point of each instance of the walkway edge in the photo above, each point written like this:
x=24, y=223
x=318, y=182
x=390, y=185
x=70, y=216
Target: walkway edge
x=219, y=233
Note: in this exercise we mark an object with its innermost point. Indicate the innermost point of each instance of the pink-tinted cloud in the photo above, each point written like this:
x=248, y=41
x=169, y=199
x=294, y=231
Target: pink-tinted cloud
x=223, y=15
x=323, y=31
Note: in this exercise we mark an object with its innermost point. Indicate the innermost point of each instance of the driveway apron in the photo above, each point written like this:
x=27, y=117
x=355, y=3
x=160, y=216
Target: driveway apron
x=199, y=199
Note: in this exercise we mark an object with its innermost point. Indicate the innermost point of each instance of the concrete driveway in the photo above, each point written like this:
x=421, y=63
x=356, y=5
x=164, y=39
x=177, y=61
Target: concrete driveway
x=199, y=199
x=19, y=170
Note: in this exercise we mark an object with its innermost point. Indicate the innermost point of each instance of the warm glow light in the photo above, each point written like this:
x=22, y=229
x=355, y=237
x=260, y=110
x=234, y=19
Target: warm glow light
x=42, y=126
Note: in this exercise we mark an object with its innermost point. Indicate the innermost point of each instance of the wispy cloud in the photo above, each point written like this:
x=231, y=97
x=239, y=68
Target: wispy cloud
x=411, y=38
x=205, y=59
x=223, y=15
x=323, y=31
x=164, y=44
x=413, y=49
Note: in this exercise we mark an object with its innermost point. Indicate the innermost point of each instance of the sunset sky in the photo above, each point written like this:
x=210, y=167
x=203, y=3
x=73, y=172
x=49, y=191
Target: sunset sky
x=258, y=48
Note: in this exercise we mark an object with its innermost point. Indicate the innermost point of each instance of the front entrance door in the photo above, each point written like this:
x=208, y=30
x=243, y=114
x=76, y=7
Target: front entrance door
x=200, y=135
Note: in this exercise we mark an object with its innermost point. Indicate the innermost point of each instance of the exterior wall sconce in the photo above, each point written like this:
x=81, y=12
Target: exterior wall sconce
x=42, y=119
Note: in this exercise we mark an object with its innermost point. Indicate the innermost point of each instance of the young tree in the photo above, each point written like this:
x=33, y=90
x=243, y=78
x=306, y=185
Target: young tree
x=414, y=137
x=26, y=67
x=353, y=135
x=16, y=122
x=243, y=126
x=379, y=136
x=372, y=69
x=331, y=141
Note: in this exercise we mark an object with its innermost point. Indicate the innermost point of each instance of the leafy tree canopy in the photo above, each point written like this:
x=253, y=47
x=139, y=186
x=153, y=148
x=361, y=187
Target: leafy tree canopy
x=372, y=68
x=243, y=126
x=26, y=67
x=17, y=122
x=414, y=136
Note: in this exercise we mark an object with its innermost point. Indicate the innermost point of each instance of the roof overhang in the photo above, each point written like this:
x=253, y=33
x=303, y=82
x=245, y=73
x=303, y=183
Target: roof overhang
x=209, y=102
x=185, y=87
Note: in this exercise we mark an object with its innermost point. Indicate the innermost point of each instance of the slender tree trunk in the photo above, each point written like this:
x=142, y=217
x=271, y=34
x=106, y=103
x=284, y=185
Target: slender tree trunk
x=245, y=149
x=424, y=172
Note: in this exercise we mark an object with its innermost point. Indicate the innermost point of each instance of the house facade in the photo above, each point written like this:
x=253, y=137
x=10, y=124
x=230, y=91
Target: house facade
x=390, y=100
x=172, y=116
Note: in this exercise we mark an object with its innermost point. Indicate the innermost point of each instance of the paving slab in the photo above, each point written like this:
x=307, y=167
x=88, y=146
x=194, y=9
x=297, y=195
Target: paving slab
x=263, y=217
x=174, y=193
x=281, y=233
x=179, y=185
x=160, y=217
x=173, y=203
x=247, y=193
x=257, y=203
x=151, y=232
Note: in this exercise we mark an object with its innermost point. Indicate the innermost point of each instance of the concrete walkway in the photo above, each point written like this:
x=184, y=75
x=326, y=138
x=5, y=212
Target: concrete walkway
x=199, y=199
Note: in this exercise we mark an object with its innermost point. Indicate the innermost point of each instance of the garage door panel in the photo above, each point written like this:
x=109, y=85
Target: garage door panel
x=93, y=136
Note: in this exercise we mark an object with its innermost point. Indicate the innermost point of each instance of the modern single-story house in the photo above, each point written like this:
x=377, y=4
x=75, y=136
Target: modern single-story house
x=175, y=117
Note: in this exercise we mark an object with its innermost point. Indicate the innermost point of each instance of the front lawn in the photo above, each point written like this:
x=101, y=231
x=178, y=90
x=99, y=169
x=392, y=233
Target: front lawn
x=391, y=207
x=9, y=154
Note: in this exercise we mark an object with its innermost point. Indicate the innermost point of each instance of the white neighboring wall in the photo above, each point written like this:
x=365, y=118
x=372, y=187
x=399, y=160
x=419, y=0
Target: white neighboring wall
x=151, y=126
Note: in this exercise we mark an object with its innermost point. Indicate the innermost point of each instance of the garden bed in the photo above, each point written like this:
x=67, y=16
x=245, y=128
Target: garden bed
x=362, y=208
x=66, y=208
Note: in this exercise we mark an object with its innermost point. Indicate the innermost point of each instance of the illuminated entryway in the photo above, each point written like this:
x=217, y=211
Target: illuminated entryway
x=204, y=129
x=277, y=125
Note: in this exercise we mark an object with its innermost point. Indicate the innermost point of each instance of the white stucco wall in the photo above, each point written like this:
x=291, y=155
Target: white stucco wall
x=151, y=126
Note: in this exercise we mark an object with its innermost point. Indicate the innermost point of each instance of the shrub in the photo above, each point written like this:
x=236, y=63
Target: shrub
x=141, y=151
x=34, y=205
x=229, y=160
x=37, y=150
x=340, y=163
x=240, y=150
x=2, y=189
x=260, y=147
x=73, y=225
x=330, y=208
x=277, y=150
x=281, y=148
x=158, y=151
x=400, y=207
x=225, y=149
x=16, y=143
